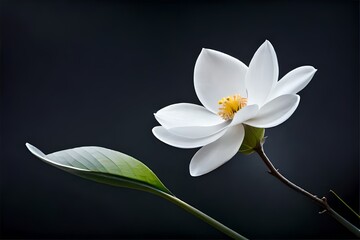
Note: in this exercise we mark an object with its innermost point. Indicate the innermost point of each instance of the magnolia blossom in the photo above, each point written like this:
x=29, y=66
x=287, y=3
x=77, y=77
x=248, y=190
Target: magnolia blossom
x=232, y=94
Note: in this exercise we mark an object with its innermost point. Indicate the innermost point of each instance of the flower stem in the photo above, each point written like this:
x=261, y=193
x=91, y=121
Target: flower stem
x=320, y=201
x=197, y=213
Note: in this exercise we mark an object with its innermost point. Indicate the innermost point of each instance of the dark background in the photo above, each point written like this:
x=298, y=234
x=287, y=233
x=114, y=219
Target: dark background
x=76, y=73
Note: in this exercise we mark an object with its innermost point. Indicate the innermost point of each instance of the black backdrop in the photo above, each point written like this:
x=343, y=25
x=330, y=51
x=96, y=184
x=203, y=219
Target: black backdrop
x=76, y=73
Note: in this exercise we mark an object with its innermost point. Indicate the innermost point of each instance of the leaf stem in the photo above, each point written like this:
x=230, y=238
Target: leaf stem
x=320, y=201
x=197, y=213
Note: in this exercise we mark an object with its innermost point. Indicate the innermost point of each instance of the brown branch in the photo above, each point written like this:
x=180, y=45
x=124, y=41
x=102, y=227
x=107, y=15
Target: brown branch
x=322, y=202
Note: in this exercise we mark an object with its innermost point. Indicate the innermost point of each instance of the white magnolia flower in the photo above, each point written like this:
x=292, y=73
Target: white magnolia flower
x=232, y=94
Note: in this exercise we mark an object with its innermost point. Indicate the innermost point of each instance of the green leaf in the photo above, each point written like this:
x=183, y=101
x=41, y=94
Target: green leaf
x=118, y=169
x=104, y=166
x=254, y=137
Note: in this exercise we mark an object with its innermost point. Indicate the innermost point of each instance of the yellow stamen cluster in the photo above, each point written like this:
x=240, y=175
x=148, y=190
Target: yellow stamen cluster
x=230, y=105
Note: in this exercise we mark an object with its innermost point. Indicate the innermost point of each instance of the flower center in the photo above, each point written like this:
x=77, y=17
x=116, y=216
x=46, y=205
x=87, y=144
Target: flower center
x=230, y=105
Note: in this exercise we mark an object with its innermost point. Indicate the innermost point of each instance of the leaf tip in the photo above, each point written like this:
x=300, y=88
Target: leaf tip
x=34, y=150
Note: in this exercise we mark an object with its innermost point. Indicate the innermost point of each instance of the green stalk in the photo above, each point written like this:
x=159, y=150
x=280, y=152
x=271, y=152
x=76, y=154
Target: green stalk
x=345, y=203
x=197, y=213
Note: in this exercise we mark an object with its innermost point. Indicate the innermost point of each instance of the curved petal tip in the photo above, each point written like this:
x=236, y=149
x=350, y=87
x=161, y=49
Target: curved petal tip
x=217, y=153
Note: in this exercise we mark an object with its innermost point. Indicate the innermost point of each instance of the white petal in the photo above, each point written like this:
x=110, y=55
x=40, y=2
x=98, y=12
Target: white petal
x=217, y=153
x=186, y=114
x=244, y=114
x=293, y=82
x=204, y=131
x=262, y=74
x=176, y=141
x=275, y=112
x=198, y=131
x=218, y=75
